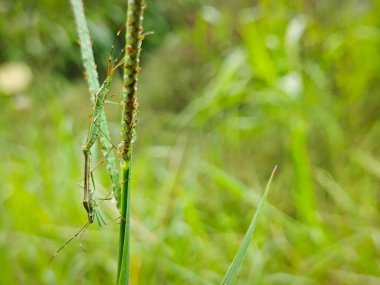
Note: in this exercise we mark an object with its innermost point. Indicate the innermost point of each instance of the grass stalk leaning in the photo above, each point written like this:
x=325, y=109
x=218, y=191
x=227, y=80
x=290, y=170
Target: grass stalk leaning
x=94, y=86
x=128, y=127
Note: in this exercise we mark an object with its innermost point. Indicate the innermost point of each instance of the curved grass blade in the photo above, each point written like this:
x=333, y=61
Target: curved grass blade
x=234, y=268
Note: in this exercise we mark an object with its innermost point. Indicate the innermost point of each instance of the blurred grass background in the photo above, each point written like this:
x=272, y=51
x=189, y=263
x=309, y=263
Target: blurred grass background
x=228, y=89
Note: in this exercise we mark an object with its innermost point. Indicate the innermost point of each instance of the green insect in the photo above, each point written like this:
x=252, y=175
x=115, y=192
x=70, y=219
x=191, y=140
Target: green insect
x=89, y=202
x=94, y=132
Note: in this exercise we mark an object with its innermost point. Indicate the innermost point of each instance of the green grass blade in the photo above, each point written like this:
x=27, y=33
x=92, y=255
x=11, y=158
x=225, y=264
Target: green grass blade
x=234, y=268
x=93, y=87
x=85, y=47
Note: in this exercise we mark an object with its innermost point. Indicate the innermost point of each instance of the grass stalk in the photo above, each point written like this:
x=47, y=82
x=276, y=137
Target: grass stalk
x=128, y=128
x=93, y=87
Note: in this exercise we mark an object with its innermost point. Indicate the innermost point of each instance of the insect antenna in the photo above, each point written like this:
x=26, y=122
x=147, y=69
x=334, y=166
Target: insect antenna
x=81, y=231
x=111, y=61
x=81, y=237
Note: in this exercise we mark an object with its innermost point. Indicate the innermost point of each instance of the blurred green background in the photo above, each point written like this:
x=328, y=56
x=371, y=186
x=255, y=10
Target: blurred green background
x=228, y=90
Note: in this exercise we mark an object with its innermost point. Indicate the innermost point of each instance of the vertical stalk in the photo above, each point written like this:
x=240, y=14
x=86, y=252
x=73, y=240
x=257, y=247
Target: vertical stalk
x=128, y=125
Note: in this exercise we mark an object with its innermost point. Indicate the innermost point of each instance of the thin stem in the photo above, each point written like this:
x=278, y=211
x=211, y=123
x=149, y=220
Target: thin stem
x=124, y=245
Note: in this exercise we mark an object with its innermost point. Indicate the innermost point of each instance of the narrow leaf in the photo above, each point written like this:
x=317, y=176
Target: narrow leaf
x=234, y=268
x=85, y=47
x=93, y=87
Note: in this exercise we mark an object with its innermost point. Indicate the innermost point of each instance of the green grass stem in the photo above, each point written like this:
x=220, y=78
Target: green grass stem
x=124, y=245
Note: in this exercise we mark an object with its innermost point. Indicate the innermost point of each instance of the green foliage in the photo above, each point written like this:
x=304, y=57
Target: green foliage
x=227, y=91
x=234, y=268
